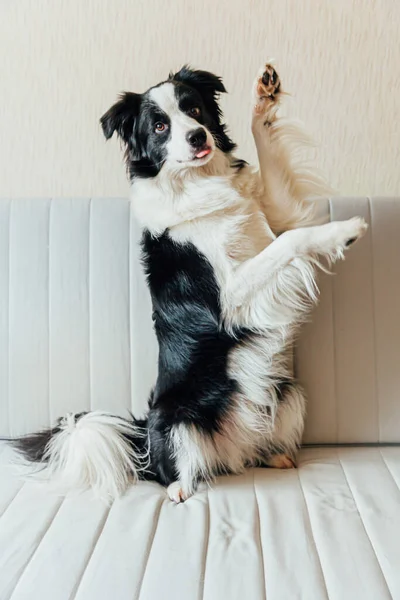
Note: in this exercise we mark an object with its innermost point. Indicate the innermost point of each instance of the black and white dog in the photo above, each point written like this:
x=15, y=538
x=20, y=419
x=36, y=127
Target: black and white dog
x=230, y=265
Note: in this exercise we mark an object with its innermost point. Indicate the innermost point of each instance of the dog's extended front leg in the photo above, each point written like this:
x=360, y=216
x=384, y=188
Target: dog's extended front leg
x=328, y=240
x=288, y=186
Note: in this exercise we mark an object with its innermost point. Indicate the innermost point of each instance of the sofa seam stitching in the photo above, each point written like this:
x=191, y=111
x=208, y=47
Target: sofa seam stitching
x=259, y=534
x=36, y=549
x=363, y=523
x=335, y=362
x=389, y=470
x=12, y=500
x=149, y=547
x=206, y=547
x=312, y=533
x=89, y=558
x=9, y=322
x=374, y=328
x=89, y=299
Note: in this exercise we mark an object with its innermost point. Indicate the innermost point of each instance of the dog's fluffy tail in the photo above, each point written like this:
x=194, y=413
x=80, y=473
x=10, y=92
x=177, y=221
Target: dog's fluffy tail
x=94, y=450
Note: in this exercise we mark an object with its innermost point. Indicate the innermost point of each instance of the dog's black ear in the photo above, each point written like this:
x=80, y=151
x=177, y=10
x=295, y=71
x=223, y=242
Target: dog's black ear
x=206, y=83
x=121, y=117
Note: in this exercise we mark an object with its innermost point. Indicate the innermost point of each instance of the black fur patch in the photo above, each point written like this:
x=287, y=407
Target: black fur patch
x=239, y=164
x=33, y=446
x=208, y=86
x=283, y=387
x=192, y=386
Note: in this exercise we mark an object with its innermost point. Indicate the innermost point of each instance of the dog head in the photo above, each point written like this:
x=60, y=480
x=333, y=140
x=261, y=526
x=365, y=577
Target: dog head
x=177, y=123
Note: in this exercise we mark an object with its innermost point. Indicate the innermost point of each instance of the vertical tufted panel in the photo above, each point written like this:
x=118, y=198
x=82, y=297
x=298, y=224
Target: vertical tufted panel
x=385, y=217
x=75, y=314
x=28, y=315
x=354, y=335
x=143, y=341
x=69, y=268
x=76, y=331
x=4, y=312
x=348, y=356
x=109, y=329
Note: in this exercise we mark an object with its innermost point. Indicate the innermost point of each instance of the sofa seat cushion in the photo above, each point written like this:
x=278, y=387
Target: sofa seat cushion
x=329, y=529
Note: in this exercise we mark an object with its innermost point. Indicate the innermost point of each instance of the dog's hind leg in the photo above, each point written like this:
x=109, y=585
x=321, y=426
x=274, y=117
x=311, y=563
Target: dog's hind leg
x=288, y=428
x=288, y=183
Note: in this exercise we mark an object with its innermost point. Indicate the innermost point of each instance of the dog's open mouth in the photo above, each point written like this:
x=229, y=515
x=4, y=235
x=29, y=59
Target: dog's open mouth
x=204, y=152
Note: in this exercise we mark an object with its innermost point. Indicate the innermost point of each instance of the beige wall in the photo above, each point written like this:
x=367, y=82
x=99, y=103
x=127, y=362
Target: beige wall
x=63, y=62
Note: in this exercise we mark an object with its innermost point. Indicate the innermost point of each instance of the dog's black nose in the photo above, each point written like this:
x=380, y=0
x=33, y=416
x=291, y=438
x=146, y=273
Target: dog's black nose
x=197, y=138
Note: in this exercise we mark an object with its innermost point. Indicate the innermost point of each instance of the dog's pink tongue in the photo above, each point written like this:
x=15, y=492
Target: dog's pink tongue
x=203, y=153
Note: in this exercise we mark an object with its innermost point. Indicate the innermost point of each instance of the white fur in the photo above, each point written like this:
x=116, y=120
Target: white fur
x=249, y=436
x=290, y=183
x=243, y=432
x=93, y=453
x=179, y=150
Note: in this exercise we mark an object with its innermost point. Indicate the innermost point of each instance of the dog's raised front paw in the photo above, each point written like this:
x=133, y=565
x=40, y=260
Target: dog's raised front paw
x=269, y=84
x=355, y=229
x=266, y=91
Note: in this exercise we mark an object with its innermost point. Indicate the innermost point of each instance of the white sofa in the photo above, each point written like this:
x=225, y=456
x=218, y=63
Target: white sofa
x=75, y=334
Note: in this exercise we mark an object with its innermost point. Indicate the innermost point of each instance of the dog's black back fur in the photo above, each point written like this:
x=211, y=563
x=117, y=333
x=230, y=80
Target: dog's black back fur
x=192, y=386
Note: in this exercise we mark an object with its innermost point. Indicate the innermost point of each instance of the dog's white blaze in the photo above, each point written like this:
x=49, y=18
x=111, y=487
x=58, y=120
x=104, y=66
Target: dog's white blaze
x=164, y=96
x=181, y=124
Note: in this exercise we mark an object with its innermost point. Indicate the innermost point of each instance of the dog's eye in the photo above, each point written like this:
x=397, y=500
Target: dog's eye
x=160, y=127
x=195, y=111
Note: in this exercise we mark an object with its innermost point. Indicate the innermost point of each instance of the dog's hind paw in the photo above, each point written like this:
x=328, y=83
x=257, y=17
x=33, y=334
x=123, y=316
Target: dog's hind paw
x=281, y=461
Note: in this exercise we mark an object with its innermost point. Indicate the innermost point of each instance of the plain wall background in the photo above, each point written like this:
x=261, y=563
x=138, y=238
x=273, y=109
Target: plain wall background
x=63, y=63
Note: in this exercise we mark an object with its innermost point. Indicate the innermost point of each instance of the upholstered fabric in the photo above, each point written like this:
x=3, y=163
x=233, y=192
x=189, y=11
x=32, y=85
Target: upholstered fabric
x=329, y=530
x=75, y=334
x=75, y=320
x=349, y=356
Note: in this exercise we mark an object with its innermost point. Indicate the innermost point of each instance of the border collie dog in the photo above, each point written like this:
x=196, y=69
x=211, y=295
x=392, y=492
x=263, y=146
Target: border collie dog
x=230, y=256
